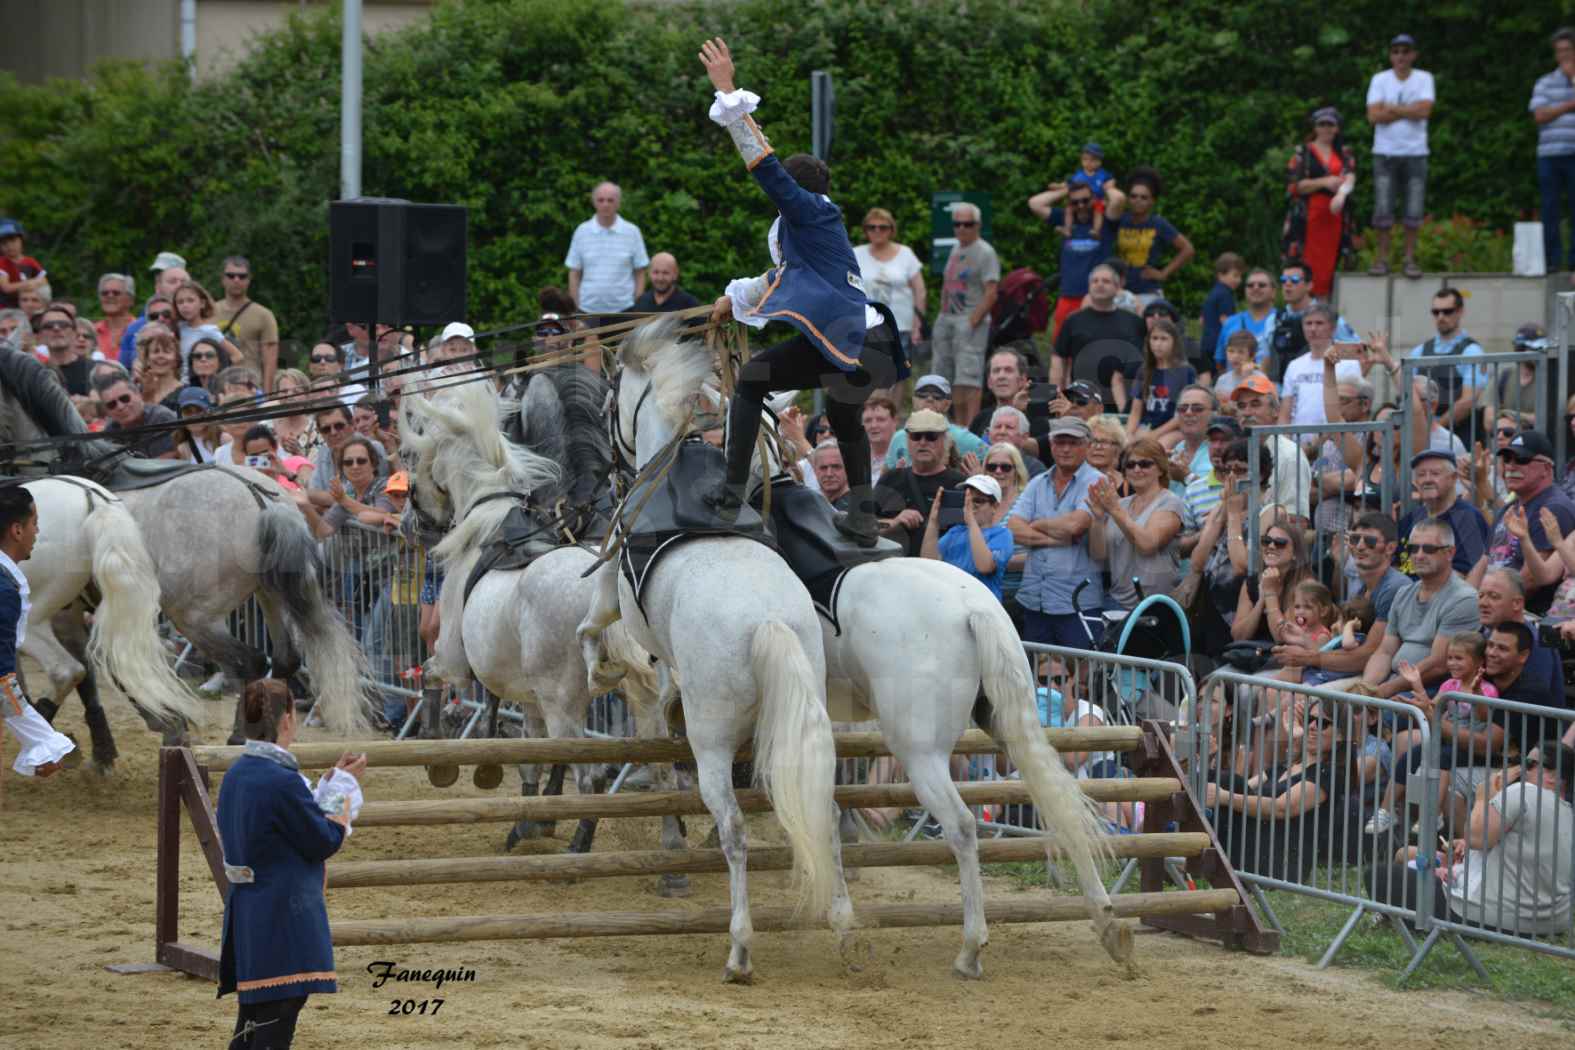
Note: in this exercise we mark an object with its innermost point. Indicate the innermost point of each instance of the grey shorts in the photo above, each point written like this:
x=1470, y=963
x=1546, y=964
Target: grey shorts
x=958, y=349
x=1392, y=177
x=1466, y=781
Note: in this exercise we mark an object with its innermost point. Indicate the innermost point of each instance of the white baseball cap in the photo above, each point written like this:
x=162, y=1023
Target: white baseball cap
x=168, y=261
x=457, y=330
x=985, y=484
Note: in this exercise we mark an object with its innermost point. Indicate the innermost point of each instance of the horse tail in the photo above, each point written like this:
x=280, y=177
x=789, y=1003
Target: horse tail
x=641, y=685
x=795, y=758
x=125, y=637
x=289, y=573
x=1072, y=816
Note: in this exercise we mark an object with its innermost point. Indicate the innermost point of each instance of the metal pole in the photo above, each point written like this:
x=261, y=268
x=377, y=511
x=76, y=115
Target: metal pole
x=350, y=104
x=1565, y=303
x=188, y=33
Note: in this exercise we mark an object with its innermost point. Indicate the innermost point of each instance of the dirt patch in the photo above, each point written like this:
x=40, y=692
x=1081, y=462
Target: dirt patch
x=78, y=894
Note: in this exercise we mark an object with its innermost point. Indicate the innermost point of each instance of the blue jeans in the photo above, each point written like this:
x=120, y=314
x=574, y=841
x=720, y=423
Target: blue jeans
x=1392, y=175
x=1064, y=629
x=1556, y=179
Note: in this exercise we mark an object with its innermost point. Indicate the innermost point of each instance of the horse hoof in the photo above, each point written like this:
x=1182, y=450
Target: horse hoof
x=605, y=675
x=672, y=886
x=442, y=775
x=528, y=829
x=968, y=966
x=580, y=843
x=103, y=767
x=737, y=975
x=1117, y=940
x=487, y=777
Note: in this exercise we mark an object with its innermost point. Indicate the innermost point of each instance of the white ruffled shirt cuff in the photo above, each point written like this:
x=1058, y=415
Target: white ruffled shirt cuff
x=732, y=106
x=41, y=743
x=745, y=292
x=335, y=789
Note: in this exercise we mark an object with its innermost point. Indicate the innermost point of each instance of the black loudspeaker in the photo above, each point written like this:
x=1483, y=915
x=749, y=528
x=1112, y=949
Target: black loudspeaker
x=395, y=262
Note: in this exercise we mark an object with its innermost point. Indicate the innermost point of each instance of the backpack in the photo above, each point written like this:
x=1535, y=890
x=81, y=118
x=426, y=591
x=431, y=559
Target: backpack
x=1287, y=342
x=1022, y=308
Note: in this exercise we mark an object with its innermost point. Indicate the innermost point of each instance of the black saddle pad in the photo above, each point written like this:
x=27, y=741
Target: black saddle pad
x=521, y=539
x=129, y=474
x=804, y=527
x=673, y=501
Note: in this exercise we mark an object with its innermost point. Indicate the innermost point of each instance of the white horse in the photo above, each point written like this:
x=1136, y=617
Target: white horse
x=729, y=616
x=915, y=642
x=223, y=534
x=85, y=535
x=515, y=631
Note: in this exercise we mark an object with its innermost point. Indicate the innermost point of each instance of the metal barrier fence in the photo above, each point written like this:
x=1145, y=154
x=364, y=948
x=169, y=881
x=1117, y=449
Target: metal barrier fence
x=1509, y=875
x=1311, y=791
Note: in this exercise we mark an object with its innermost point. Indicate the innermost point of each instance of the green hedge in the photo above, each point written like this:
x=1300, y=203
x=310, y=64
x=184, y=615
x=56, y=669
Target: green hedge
x=516, y=107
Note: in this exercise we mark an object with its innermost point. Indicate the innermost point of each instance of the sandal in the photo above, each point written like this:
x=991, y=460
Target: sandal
x=1412, y=270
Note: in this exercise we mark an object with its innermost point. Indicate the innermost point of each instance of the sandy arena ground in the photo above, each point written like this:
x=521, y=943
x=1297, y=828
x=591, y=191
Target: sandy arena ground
x=77, y=894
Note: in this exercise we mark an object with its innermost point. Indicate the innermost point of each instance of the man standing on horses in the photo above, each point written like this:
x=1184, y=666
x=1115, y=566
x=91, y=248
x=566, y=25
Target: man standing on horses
x=42, y=747
x=815, y=287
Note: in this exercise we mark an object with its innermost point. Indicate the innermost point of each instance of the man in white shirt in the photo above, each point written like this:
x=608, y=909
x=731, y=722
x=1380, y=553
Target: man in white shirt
x=1301, y=395
x=607, y=259
x=1399, y=103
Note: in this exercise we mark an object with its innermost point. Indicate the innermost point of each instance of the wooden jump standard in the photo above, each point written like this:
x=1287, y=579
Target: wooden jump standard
x=1173, y=828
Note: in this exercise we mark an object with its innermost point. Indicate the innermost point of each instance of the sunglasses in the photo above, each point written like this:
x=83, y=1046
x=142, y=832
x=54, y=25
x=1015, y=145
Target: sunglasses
x=163, y=315
x=55, y=326
x=1259, y=284
x=1291, y=278
x=1507, y=432
x=324, y=359
x=1056, y=680
x=1080, y=202
x=1432, y=548
x=1279, y=543
x=965, y=222
x=925, y=435
x=877, y=226
x=1140, y=464
x=1364, y=540
x=1446, y=311
x=333, y=428
x=204, y=355
x=1192, y=410
x=358, y=462
x=237, y=276
x=999, y=468
x=116, y=402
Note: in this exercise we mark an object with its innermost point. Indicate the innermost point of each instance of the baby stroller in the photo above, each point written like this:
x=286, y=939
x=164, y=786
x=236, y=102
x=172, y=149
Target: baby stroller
x=1156, y=629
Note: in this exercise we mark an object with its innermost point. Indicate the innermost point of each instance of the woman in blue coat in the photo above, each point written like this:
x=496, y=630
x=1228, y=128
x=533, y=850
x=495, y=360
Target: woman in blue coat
x=815, y=287
x=277, y=832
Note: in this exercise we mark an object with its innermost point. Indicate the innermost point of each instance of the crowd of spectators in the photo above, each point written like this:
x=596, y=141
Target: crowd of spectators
x=1125, y=459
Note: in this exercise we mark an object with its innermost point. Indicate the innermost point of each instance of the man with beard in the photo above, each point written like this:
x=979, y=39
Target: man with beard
x=1519, y=539
x=1433, y=475
x=904, y=495
x=664, y=295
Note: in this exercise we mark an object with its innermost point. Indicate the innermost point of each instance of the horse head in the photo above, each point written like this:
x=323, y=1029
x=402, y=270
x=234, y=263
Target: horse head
x=661, y=381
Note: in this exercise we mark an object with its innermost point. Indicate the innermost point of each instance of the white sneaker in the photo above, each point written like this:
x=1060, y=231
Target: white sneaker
x=1381, y=822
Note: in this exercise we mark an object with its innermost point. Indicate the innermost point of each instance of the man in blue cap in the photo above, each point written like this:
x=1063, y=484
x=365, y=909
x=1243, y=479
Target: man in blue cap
x=1433, y=474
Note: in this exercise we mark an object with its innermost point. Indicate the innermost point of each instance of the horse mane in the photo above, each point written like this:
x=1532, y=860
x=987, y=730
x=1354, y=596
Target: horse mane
x=677, y=369
x=461, y=430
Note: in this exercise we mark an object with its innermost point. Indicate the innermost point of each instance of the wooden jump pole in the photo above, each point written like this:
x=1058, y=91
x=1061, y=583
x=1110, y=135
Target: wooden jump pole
x=715, y=920
x=689, y=803
x=582, y=750
x=365, y=874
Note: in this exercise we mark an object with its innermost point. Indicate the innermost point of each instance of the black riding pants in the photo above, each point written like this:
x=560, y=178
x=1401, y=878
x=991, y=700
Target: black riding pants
x=798, y=365
x=267, y=1026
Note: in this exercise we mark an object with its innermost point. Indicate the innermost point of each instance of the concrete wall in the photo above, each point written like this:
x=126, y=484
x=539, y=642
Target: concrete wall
x=66, y=38
x=1496, y=304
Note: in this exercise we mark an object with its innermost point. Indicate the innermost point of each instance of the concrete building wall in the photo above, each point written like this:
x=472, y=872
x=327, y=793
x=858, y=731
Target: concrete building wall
x=66, y=38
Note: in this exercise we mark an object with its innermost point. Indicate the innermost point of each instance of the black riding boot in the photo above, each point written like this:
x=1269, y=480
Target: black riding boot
x=858, y=523
x=743, y=427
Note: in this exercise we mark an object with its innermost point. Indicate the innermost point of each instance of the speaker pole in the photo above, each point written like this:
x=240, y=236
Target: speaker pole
x=373, y=368
x=350, y=103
